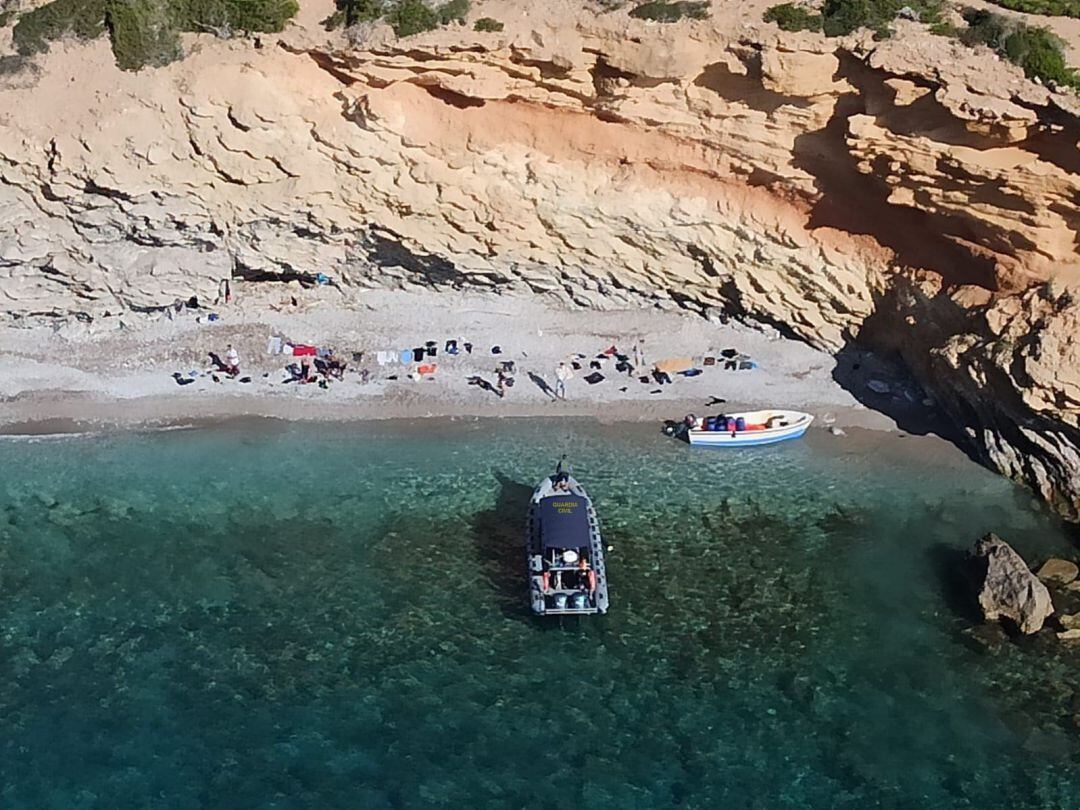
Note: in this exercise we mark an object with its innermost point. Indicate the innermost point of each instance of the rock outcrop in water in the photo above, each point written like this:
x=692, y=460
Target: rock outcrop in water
x=909, y=194
x=1009, y=590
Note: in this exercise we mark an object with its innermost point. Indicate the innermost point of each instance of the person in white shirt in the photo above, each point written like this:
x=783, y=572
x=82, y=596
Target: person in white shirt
x=562, y=374
x=232, y=360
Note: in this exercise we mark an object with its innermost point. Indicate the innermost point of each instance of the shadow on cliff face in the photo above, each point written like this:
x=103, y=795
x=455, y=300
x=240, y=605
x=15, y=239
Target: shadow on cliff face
x=883, y=382
x=858, y=203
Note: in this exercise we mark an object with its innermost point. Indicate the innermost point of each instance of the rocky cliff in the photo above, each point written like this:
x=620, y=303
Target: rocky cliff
x=912, y=193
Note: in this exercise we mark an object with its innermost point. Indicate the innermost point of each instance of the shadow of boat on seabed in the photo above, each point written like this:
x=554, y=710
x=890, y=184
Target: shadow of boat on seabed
x=499, y=539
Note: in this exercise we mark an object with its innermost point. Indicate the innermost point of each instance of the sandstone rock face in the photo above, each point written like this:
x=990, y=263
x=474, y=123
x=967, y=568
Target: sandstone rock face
x=1009, y=589
x=905, y=193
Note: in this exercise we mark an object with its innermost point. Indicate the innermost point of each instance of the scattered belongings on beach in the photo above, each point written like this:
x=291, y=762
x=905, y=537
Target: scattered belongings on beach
x=674, y=365
x=313, y=363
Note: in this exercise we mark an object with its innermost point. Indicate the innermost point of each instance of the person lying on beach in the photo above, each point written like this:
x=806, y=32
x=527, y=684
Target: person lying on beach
x=480, y=382
x=217, y=363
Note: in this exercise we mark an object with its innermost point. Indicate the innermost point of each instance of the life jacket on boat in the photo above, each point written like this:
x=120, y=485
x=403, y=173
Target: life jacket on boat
x=545, y=580
x=592, y=581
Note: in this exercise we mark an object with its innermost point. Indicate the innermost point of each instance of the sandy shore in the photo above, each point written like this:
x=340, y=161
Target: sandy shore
x=76, y=376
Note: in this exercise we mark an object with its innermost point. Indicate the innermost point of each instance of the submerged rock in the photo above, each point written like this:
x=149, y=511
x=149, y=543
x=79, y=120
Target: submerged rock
x=1070, y=621
x=1009, y=589
x=1060, y=571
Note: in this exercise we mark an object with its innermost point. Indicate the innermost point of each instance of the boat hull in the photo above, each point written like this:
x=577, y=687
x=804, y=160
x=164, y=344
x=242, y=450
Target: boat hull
x=793, y=424
x=543, y=602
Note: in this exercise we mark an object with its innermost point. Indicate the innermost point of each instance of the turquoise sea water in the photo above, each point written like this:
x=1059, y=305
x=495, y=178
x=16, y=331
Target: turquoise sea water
x=334, y=617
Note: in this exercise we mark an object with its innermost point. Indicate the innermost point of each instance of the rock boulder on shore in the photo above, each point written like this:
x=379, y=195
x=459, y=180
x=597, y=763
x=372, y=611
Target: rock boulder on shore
x=1060, y=571
x=1009, y=589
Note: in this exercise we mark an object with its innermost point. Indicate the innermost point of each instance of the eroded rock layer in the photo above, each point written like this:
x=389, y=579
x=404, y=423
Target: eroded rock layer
x=904, y=193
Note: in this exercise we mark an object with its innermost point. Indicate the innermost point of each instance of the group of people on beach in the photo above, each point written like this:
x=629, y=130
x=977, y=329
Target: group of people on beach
x=321, y=366
x=314, y=369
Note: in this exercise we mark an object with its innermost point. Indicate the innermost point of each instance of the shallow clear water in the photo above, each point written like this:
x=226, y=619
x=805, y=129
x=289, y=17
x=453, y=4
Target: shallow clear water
x=334, y=616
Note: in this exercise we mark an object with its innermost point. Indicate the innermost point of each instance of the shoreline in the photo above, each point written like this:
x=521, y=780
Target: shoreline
x=76, y=415
x=71, y=378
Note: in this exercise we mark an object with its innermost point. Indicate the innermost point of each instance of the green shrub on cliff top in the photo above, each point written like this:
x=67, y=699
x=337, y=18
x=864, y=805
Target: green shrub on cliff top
x=1038, y=52
x=143, y=33
x=842, y=17
x=1052, y=8
x=409, y=17
x=1041, y=55
x=792, y=17
x=35, y=29
x=263, y=16
x=352, y=12
x=667, y=12
x=488, y=24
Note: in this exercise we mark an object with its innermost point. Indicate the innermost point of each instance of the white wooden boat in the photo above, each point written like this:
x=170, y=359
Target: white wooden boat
x=757, y=428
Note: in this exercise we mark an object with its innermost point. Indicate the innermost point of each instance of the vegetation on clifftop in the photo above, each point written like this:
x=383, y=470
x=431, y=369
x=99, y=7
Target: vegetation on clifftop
x=663, y=11
x=406, y=17
x=34, y=29
x=146, y=32
x=794, y=17
x=1051, y=8
x=841, y=17
x=1037, y=51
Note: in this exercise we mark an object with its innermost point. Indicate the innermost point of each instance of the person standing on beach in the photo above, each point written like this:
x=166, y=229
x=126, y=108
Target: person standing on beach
x=639, y=353
x=562, y=374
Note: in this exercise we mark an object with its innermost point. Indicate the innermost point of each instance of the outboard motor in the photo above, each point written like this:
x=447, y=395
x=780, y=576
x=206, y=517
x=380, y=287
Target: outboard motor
x=580, y=601
x=560, y=601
